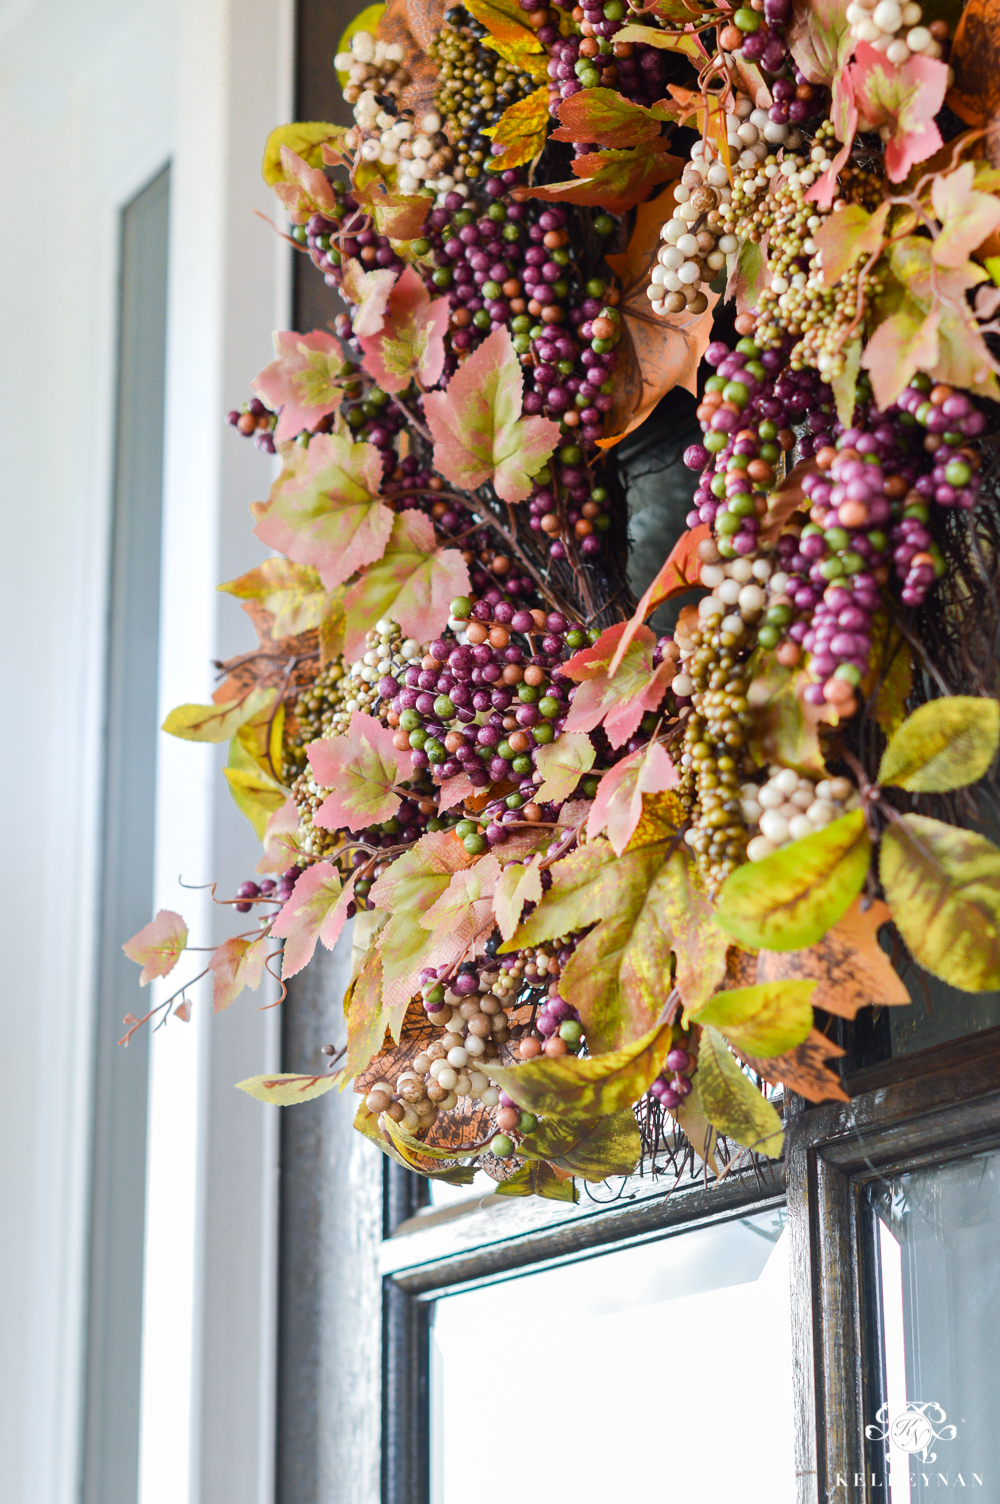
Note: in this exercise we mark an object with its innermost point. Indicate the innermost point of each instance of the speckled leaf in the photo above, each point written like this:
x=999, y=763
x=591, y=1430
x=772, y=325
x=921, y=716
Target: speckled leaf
x=732, y=1103
x=850, y=968
x=804, y=1069
x=943, y=745
x=943, y=887
x=768, y=1018
x=691, y=1119
x=565, y=1086
x=286, y=1090
x=594, y=1150
x=783, y=728
x=791, y=898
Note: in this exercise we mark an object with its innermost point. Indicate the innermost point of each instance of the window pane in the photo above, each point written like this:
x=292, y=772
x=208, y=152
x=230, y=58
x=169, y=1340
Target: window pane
x=603, y=1360
x=937, y=1278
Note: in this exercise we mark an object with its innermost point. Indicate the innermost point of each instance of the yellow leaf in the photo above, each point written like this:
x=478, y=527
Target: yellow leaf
x=521, y=131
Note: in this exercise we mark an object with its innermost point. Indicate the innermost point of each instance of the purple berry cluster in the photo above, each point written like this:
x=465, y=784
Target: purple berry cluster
x=674, y=1082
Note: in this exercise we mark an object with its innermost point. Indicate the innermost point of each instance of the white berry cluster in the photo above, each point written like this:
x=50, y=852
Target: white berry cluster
x=788, y=807
x=420, y=151
x=698, y=240
x=473, y=1027
x=892, y=27
x=738, y=595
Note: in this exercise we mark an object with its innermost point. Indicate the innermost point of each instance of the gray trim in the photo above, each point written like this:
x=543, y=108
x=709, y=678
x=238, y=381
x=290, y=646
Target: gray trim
x=329, y=1313
x=117, y=1211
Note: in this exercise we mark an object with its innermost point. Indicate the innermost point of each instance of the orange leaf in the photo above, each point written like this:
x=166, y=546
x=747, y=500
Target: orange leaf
x=803, y=1070
x=785, y=500
x=851, y=968
x=680, y=570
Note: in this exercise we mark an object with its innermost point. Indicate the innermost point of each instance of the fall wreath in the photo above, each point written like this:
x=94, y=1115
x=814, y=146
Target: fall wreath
x=614, y=887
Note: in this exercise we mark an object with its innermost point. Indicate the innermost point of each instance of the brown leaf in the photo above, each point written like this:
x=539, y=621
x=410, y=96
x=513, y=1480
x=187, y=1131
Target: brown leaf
x=803, y=1070
x=851, y=968
x=785, y=500
x=414, y=24
x=392, y=1059
x=975, y=61
x=456, y=1131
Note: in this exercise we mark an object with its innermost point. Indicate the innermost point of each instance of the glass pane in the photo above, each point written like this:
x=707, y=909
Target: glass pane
x=603, y=1361
x=937, y=1278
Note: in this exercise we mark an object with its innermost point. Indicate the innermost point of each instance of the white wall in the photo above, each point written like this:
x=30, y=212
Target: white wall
x=94, y=98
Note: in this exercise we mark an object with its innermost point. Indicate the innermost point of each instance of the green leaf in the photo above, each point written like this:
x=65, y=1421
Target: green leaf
x=848, y=237
x=845, y=384
x=943, y=886
x=791, y=898
x=306, y=138
x=732, y=1103
x=255, y=793
x=562, y=764
x=287, y=1090
x=943, y=745
x=610, y=1146
x=216, y=723
x=538, y=1180
x=670, y=41
x=783, y=728
x=410, y=886
x=516, y=886
x=563, y=1086
x=766, y=1019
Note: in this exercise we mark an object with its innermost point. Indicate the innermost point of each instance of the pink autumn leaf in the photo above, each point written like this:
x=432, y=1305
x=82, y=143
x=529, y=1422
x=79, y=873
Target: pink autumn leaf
x=282, y=847
x=413, y=583
x=844, y=114
x=903, y=98
x=622, y=701
x=235, y=964
x=617, y=806
x=362, y=769
x=157, y=945
x=478, y=431
x=305, y=190
x=454, y=790
x=465, y=908
x=410, y=342
x=317, y=910
x=369, y=294
x=324, y=508
x=301, y=384
x=967, y=217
